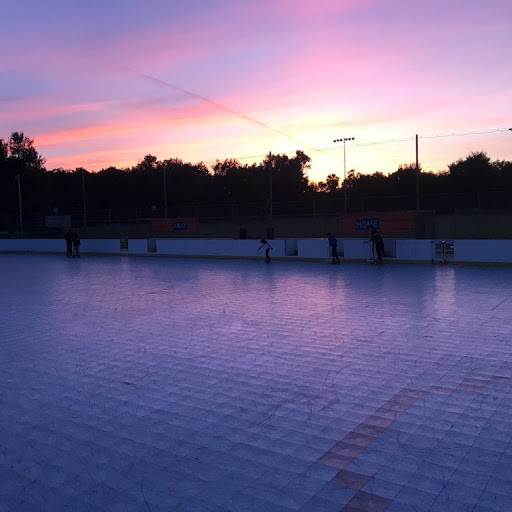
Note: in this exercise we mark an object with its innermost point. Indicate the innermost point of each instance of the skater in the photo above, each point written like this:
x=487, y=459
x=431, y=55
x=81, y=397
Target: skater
x=378, y=244
x=76, y=244
x=265, y=245
x=69, y=243
x=333, y=244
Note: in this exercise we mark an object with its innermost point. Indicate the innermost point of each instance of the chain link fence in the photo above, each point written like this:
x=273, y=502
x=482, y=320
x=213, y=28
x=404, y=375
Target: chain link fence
x=455, y=215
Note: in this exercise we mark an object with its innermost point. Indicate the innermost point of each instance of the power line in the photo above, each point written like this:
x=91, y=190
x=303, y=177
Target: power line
x=389, y=141
x=372, y=143
x=463, y=134
x=443, y=135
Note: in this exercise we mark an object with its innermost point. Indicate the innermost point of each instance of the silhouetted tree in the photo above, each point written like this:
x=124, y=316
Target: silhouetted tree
x=21, y=151
x=58, y=187
x=474, y=173
x=289, y=175
x=504, y=172
x=332, y=183
x=222, y=168
x=3, y=152
x=228, y=181
x=18, y=156
x=403, y=180
x=108, y=189
x=361, y=185
x=144, y=183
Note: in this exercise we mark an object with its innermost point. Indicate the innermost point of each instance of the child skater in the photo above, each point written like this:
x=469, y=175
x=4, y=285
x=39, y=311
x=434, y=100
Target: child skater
x=265, y=245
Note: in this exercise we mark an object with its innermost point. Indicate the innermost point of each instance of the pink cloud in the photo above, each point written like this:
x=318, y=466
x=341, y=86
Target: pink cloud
x=305, y=10
x=306, y=69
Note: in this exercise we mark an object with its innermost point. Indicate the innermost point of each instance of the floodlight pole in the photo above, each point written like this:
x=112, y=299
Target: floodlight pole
x=344, y=140
x=417, y=178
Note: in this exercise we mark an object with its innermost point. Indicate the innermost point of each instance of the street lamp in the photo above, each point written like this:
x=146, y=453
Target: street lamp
x=344, y=140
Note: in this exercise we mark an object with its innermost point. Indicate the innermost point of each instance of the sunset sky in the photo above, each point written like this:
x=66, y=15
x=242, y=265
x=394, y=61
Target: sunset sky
x=102, y=83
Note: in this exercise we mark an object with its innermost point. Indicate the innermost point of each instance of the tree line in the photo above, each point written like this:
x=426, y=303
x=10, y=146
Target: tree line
x=227, y=181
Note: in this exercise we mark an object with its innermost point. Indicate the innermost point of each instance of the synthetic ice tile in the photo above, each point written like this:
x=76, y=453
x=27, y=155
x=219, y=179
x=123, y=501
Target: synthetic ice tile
x=195, y=385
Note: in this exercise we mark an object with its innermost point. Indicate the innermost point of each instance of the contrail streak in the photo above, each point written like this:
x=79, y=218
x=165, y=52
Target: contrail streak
x=224, y=108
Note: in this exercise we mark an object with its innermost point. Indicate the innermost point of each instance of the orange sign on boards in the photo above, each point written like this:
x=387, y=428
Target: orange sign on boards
x=388, y=223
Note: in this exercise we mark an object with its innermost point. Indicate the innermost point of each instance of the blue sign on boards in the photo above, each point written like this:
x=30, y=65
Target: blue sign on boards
x=363, y=224
x=180, y=226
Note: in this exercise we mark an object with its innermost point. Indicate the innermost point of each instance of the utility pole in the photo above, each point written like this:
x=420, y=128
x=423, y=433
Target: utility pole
x=83, y=197
x=270, y=185
x=18, y=179
x=165, y=190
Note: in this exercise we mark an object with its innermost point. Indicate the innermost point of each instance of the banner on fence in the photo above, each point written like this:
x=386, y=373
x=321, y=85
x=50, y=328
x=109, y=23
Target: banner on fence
x=163, y=225
x=388, y=223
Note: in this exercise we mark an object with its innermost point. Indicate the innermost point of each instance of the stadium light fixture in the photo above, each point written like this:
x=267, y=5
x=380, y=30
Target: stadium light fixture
x=344, y=140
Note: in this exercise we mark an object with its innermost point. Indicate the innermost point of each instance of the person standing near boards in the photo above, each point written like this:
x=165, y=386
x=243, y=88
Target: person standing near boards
x=76, y=244
x=69, y=243
x=378, y=244
x=266, y=246
x=333, y=244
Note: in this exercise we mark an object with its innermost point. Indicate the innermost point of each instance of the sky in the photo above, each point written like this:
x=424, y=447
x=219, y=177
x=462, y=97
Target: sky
x=103, y=83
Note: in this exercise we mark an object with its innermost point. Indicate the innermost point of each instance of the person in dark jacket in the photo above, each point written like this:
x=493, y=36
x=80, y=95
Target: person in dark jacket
x=76, y=244
x=333, y=244
x=69, y=243
x=378, y=243
x=267, y=247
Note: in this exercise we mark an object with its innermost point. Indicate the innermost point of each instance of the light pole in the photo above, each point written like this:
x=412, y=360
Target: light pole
x=417, y=172
x=18, y=179
x=344, y=140
x=165, y=190
x=270, y=229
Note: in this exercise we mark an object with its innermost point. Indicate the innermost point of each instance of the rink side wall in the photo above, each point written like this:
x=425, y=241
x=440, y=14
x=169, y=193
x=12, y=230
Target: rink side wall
x=308, y=249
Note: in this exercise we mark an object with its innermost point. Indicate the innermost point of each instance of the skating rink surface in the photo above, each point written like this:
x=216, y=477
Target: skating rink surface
x=138, y=384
